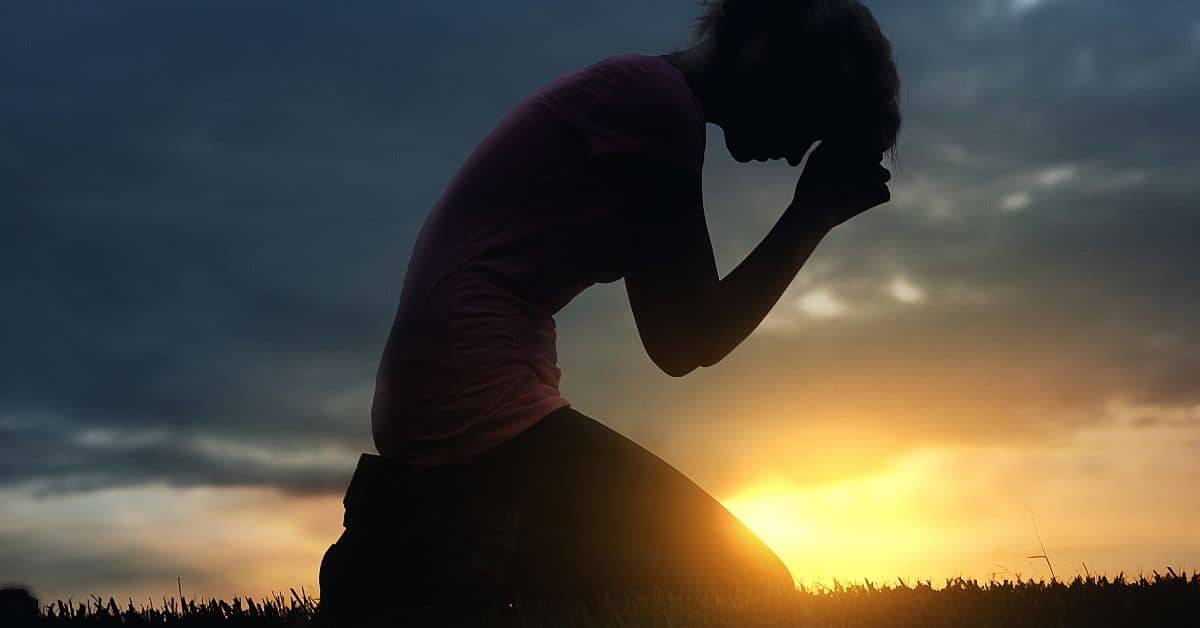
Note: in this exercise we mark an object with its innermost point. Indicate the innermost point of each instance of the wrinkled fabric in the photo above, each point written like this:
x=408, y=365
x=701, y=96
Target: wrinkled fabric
x=522, y=228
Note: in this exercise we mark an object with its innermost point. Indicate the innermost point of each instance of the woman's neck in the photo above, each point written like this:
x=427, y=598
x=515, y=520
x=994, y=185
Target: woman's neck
x=700, y=66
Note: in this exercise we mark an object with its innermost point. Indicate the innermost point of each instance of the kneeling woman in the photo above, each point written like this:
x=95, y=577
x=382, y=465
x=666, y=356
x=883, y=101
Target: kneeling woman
x=489, y=485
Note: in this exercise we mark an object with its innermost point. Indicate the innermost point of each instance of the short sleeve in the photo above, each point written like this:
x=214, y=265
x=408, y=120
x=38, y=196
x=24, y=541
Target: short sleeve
x=631, y=104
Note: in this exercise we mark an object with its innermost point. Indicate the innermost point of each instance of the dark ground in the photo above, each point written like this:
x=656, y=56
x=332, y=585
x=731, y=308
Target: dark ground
x=1160, y=600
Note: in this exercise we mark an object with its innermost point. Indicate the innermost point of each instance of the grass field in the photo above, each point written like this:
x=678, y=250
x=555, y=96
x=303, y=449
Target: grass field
x=1169, y=599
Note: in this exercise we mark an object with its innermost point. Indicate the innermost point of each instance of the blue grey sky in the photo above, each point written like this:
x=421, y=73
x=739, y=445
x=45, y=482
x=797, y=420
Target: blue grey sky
x=208, y=210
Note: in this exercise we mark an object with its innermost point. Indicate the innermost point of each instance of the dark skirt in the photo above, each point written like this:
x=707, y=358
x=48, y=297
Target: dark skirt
x=567, y=510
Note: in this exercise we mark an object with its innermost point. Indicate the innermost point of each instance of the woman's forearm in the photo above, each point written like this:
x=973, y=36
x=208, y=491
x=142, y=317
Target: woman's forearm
x=743, y=298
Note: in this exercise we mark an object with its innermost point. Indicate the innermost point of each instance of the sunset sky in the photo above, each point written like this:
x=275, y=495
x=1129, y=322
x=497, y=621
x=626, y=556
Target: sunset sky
x=208, y=209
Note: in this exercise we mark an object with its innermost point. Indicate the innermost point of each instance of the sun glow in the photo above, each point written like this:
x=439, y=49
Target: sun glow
x=1103, y=500
x=873, y=526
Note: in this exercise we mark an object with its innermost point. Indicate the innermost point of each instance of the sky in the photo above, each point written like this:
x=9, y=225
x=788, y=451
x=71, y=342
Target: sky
x=208, y=209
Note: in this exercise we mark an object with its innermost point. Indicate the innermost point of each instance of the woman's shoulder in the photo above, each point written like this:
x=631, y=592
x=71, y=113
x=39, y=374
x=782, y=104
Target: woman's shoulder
x=654, y=73
x=631, y=103
x=635, y=61
x=641, y=85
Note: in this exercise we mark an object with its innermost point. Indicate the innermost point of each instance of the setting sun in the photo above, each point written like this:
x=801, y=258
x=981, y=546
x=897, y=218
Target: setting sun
x=982, y=512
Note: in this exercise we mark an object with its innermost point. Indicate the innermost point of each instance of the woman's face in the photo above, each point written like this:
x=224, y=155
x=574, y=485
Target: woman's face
x=769, y=113
x=765, y=120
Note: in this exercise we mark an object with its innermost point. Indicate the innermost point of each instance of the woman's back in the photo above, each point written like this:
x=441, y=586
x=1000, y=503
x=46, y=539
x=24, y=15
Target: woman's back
x=524, y=226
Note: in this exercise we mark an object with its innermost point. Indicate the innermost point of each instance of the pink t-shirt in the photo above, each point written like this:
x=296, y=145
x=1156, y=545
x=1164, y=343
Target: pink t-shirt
x=524, y=225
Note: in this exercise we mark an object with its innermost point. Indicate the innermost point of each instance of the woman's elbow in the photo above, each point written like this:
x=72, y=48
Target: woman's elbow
x=676, y=355
x=680, y=372
x=675, y=365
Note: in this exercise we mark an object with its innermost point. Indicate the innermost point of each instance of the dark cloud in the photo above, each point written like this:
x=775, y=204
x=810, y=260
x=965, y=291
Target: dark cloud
x=209, y=209
x=60, y=457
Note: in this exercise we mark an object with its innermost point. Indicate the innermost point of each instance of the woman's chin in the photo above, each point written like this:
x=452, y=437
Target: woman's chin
x=737, y=154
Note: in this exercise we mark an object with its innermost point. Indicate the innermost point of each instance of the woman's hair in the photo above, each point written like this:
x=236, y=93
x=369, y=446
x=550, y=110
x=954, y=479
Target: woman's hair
x=835, y=45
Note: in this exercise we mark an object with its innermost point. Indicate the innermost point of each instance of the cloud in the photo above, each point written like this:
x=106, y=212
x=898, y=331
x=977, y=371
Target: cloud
x=135, y=542
x=905, y=291
x=1057, y=175
x=1150, y=415
x=1016, y=201
x=208, y=241
x=1025, y=6
x=1120, y=181
x=821, y=304
x=209, y=212
x=50, y=459
x=925, y=196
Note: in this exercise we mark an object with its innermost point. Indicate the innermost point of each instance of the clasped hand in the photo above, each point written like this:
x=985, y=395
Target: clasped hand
x=839, y=183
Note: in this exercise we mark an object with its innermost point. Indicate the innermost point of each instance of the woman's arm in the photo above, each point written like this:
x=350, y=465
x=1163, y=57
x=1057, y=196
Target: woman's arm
x=740, y=301
x=686, y=315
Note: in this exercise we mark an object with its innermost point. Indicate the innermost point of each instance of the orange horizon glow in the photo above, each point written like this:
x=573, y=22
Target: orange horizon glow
x=932, y=514
x=1104, y=504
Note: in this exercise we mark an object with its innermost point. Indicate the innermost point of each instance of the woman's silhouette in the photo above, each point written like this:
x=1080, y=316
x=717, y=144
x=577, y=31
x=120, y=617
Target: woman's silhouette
x=489, y=485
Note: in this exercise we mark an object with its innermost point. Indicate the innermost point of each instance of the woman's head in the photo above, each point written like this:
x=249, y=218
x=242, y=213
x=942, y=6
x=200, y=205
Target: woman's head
x=802, y=70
